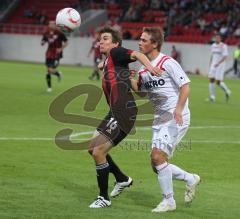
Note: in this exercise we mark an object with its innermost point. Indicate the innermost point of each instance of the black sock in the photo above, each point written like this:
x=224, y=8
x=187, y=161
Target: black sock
x=102, y=178
x=57, y=74
x=48, y=79
x=114, y=169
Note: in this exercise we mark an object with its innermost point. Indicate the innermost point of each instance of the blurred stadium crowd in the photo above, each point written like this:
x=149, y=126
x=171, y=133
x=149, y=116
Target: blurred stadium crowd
x=193, y=21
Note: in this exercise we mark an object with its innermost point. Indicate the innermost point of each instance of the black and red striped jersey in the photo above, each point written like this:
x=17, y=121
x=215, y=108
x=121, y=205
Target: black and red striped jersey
x=117, y=86
x=54, y=38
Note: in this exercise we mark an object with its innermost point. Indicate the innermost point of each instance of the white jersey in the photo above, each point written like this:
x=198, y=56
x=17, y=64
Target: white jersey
x=218, y=51
x=163, y=91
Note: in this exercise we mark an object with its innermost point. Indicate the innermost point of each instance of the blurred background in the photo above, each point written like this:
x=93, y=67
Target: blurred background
x=189, y=25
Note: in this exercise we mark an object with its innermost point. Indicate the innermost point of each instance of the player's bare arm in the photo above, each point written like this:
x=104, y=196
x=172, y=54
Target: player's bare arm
x=144, y=60
x=64, y=45
x=101, y=65
x=134, y=85
x=183, y=95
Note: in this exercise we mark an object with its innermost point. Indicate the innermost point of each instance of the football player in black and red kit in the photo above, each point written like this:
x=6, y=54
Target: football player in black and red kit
x=56, y=41
x=122, y=112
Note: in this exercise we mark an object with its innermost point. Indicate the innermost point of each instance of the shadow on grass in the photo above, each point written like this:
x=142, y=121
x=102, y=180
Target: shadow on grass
x=141, y=198
x=81, y=190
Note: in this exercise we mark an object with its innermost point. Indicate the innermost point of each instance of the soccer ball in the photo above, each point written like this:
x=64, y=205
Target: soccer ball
x=68, y=19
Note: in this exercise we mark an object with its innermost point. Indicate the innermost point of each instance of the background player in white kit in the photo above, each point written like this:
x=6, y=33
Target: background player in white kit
x=219, y=53
x=169, y=95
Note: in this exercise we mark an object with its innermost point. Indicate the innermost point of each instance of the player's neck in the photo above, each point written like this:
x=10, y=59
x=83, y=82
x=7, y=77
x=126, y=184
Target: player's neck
x=153, y=55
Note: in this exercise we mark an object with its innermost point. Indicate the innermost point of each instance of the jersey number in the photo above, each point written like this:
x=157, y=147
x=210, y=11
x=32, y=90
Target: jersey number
x=111, y=125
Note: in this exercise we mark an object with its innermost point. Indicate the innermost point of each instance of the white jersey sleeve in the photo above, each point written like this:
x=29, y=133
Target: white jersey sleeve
x=225, y=50
x=176, y=72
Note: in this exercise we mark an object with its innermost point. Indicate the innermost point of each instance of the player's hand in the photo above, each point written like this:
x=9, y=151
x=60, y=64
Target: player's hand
x=177, y=114
x=132, y=74
x=156, y=71
x=59, y=50
x=216, y=65
x=101, y=65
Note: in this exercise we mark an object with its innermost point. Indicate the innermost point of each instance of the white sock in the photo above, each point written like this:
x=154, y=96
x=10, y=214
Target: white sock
x=212, y=90
x=180, y=174
x=224, y=87
x=165, y=181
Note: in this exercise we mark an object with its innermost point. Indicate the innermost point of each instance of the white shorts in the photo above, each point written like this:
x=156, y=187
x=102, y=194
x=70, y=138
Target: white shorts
x=217, y=72
x=168, y=135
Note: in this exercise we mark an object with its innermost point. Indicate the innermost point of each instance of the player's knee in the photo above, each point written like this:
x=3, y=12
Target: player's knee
x=51, y=70
x=48, y=76
x=97, y=152
x=91, y=148
x=158, y=157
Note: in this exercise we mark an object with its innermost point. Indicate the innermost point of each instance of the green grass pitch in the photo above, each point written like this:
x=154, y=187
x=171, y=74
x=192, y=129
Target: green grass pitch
x=40, y=180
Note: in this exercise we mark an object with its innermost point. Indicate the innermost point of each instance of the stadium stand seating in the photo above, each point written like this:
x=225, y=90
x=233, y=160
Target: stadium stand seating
x=183, y=21
x=31, y=16
x=37, y=7
x=3, y=5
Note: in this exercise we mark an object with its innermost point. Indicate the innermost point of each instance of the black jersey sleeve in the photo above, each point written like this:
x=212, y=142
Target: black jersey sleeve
x=63, y=37
x=121, y=55
x=44, y=38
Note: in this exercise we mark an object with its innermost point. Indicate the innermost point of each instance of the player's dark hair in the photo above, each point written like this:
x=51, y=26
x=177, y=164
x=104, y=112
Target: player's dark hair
x=157, y=35
x=116, y=35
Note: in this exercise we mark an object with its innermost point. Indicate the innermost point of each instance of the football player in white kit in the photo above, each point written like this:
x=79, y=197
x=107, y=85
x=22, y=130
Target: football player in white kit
x=219, y=53
x=169, y=95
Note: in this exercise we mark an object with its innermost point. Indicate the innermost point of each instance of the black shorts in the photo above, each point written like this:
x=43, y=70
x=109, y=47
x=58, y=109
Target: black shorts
x=110, y=128
x=52, y=63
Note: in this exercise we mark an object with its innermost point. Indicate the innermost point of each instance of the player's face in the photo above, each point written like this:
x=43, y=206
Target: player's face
x=217, y=39
x=52, y=25
x=106, y=43
x=145, y=44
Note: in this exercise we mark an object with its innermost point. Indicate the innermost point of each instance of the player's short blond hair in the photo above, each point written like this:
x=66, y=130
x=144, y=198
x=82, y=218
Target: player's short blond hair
x=157, y=35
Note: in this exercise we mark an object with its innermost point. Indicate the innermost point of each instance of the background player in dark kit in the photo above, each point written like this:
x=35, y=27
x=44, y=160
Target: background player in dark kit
x=57, y=41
